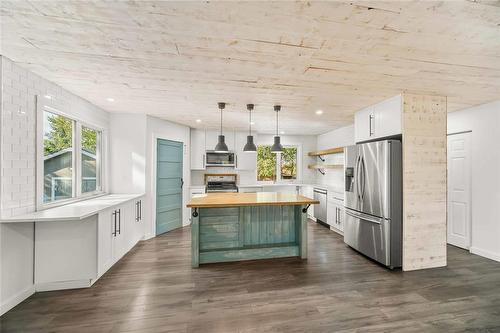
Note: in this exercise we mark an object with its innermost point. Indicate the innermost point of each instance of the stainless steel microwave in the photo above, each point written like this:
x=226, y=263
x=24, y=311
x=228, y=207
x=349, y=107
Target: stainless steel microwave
x=219, y=159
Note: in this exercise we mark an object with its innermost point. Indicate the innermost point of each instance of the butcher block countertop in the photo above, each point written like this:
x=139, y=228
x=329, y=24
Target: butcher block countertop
x=217, y=200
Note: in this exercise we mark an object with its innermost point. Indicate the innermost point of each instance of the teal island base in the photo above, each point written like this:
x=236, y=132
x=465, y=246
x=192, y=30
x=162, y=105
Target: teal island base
x=248, y=233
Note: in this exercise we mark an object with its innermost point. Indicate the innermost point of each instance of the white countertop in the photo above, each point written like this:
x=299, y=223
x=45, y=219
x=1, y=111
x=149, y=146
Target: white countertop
x=74, y=211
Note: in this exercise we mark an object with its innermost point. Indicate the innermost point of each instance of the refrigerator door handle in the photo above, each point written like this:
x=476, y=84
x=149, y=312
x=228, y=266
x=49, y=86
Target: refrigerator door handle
x=363, y=172
x=358, y=179
x=364, y=217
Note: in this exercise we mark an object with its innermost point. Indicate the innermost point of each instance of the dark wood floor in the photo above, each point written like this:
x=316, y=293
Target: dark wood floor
x=154, y=289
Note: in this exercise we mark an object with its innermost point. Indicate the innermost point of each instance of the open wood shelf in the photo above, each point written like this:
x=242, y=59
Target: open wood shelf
x=325, y=166
x=337, y=150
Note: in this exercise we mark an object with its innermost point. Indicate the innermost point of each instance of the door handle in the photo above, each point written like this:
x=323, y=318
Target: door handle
x=371, y=117
x=204, y=157
x=358, y=177
x=364, y=178
x=119, y=211
x=114, y=223
x=182, y=182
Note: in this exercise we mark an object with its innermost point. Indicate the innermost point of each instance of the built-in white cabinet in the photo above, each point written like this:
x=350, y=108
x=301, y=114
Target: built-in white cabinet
x=379, y=121
x=198, y=149
x=75, y=253
x=196, y=190
x=244, y=160
x=335, y=211
x=119, y=229
x=203, y=140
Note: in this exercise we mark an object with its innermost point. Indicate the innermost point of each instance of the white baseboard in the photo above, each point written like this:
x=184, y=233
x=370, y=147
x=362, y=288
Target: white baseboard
x=16, y=299
x=73, y=284
x=485, y=253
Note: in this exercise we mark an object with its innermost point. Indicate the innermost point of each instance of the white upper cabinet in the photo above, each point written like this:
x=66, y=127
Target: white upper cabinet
x=388, y=117
x=197, y=149
x=379, y=121
x=244, y=161
x=363, y=124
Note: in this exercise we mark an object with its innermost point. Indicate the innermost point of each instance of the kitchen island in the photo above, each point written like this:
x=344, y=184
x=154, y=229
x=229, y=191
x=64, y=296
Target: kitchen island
x=247, y=226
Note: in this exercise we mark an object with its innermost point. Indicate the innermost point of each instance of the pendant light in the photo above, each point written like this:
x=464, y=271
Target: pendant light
x=250, y=147
x=277, y=147
x=221, y=146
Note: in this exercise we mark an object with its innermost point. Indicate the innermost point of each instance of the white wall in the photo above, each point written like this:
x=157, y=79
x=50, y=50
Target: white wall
x=484, y=122
x=158, y=128
x=18, y=166
x=127, y=153
x=341, y=137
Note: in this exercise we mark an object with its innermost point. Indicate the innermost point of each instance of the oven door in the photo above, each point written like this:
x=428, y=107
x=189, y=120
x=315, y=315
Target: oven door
x=219, y=159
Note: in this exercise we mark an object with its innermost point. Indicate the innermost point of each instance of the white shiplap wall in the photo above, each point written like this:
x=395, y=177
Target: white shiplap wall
x=17, y=170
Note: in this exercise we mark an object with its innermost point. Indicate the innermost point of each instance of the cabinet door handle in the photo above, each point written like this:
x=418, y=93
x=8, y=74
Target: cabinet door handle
x=140, y=210
x=371, y=127
x=204, y=157
x=114, y=223
x=119, y=221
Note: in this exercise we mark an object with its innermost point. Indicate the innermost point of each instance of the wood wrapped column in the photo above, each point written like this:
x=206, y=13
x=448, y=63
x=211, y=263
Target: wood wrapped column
x=424, y=181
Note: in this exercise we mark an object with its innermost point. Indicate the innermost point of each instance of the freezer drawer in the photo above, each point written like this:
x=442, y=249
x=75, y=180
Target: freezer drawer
x=369, y=235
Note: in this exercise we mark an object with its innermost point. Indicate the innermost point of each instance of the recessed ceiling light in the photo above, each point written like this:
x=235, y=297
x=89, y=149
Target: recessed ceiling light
x=252, y=123
x=282, y=132
x=198, y=120
x=48, y=97
x=319, y=112
x=110, y=99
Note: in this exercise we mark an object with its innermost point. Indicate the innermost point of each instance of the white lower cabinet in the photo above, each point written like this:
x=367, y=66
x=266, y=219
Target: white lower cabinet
x=119, y=229
x=335, y=212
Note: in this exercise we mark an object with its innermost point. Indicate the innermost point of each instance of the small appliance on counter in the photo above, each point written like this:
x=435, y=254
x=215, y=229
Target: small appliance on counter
x=373, y=200
x=221, y=182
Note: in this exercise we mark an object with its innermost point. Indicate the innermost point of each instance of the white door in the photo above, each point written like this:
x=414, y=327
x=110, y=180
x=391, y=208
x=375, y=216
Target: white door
x=459, y=190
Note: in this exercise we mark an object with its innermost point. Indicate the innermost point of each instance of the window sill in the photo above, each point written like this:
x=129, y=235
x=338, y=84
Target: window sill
x=65, y=202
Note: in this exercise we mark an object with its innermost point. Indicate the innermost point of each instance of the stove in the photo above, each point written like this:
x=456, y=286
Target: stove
x=221, y=183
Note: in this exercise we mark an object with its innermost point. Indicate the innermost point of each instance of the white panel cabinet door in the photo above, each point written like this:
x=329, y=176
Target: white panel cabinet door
x=120, y=241
x=331, y=211
x=388, y=117
x=364, y=128
x=198, y=149
x=105, y=230
x=244, y=160
x=459, y=190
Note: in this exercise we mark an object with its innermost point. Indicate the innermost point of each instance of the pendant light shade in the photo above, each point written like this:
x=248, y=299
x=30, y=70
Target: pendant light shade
x=250, y=146
x=221, y=146
x=277, y=147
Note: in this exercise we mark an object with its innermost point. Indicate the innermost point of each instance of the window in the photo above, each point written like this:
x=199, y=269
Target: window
x=57, y=157
x=89, y=160
x=70, y=165
x=276, y=167
x=288, y=165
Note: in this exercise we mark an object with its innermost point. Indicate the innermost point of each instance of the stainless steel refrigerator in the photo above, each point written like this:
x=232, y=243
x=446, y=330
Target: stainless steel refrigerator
x=373, y=200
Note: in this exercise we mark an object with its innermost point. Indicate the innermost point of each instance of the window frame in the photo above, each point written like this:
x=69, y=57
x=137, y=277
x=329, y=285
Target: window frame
x=44, y=105
x=279, y=180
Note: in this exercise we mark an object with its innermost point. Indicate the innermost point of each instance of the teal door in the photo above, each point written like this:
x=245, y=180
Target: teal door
x=168, y=185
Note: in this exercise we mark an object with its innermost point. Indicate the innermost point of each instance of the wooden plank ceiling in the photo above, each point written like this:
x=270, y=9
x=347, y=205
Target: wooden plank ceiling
x=176, y=60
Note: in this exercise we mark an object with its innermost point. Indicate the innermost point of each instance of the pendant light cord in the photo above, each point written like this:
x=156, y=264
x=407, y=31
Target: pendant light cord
x=277, y=120
x=220, y=121
x=250, y=123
